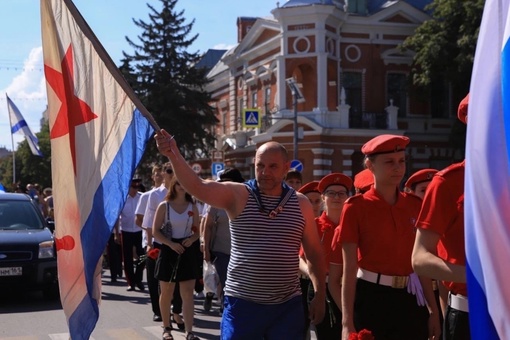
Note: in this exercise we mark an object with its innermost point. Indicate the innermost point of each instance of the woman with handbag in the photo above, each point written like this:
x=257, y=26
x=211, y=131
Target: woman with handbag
x=175, y=228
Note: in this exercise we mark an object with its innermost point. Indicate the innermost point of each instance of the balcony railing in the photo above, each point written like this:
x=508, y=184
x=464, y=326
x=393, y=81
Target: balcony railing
x=368, y=120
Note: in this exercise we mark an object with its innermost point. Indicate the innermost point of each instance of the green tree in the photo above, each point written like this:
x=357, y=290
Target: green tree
x=445, y=45
x=162, y=73
x=29, y=168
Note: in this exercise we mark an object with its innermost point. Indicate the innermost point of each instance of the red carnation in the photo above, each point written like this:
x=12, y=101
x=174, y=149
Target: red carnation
x=153, y=253
x=194, y=229
x=362, y=335
x=190, y=213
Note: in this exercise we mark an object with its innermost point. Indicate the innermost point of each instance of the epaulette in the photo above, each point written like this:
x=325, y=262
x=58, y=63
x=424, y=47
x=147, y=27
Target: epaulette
x=452, y=169
x=355, y=197
x=412, y=194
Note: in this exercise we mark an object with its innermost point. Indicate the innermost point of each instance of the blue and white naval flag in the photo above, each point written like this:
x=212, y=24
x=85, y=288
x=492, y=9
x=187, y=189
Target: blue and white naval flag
x=19, y=125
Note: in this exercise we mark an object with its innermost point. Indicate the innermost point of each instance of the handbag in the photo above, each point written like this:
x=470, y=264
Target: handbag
x=166, y=228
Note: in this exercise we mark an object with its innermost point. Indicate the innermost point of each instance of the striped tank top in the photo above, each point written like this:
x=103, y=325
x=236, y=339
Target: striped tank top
x=264, y=260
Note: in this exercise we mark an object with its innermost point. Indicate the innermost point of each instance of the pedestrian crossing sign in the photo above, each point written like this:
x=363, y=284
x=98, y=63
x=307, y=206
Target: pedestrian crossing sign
x=251, y=118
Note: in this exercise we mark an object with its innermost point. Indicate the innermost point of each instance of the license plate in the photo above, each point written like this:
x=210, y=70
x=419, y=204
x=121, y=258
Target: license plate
x=11, y=271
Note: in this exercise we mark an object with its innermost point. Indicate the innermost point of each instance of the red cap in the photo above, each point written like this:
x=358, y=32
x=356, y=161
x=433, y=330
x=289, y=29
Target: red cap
x=364, y=180
x=335, y=178
x=462, y=112
x=309, y=187
x=385, y=144
x=420, y=176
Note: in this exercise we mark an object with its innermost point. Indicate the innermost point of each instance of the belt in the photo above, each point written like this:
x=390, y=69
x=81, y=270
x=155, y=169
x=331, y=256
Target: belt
x=385, y=280
x=458, y=302
x=306, y=277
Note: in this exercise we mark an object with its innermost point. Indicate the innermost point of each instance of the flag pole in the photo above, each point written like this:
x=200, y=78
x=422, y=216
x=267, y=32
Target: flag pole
x=12, y=144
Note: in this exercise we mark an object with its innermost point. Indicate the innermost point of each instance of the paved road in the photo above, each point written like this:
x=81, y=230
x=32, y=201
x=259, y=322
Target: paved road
x=123, y=316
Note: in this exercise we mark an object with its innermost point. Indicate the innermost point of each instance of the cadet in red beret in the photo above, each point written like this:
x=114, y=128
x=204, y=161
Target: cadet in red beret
x=439, y=251
x=311, y=191
x=380, y=292
x=335, y=188
x=419, y=181
x=363, y=181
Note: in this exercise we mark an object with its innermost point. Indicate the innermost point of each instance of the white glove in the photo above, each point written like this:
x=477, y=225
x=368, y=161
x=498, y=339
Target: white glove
x=414, y=287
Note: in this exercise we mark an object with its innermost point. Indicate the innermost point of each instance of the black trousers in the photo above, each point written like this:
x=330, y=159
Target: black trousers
x=331, y=325
x=153, y=283
x=130, y=240
x=114, y=258
x=456, y=325
x=389, y=313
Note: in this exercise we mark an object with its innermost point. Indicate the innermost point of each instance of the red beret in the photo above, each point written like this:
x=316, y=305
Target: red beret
x=335, y=178
x=385, y=144
x=364, y=180
x=420, y=176
x=309, y=187
x=463, y=109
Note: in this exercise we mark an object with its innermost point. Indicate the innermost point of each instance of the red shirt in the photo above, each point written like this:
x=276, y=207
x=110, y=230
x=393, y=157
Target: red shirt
x=325, y=229
x=384, y=233
x=443, y=213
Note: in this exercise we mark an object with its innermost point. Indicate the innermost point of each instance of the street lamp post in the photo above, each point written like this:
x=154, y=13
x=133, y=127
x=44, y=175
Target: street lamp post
x=297, y=97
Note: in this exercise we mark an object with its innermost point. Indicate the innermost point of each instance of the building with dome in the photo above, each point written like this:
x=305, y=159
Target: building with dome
x=331, y=74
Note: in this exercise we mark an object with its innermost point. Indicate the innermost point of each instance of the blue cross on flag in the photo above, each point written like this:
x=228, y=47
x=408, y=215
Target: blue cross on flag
x=251, y=118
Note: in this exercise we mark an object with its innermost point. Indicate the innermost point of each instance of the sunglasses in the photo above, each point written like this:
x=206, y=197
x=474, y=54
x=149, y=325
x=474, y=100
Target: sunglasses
x=169, y=171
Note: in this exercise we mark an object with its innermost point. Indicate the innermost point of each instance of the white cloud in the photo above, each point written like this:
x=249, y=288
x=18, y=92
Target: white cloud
x=28, y=91
x=222, y=47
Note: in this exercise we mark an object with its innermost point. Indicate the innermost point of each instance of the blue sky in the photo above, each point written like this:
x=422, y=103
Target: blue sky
x=21, y=74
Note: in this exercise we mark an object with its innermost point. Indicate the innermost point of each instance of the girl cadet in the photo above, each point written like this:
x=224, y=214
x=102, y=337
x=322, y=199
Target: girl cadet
x=335, y=188
x=419, y=181
x=380, y=292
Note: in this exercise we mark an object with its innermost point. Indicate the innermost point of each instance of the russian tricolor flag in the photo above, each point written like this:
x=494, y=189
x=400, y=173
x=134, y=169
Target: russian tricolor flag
x=98, y=135
x=487, y=181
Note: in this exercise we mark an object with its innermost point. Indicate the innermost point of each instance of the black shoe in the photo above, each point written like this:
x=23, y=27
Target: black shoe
x=113, y=279
x=179, y=325
x=140, y=286
x=157, y=318
x=131, y=288
x=208, y=301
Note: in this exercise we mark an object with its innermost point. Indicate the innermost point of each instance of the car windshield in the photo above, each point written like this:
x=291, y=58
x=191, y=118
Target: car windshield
x=19, y=215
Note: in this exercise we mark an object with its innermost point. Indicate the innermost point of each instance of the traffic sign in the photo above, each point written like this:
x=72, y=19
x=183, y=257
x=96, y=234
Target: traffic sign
x=217, y=167
x=196, y=168
x=295, y=164
x=217, y=156
x=251, y=118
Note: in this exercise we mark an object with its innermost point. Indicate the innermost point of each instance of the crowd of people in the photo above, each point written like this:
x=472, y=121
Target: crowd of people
x=385, y=261
x=336, y=256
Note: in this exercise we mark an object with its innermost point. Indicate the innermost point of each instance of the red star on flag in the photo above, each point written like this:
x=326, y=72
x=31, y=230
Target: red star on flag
x=73, y=111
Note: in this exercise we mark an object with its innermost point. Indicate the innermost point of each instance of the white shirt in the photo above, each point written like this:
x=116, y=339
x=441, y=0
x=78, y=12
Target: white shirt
x=127, y=215
x=155, y=197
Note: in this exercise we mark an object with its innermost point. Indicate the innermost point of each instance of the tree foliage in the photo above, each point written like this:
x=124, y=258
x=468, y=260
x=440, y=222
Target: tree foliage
x=29, y=168
x=445, y=45
x=162, y=74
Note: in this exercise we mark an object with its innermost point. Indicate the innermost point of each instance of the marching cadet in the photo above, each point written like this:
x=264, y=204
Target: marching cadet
x=311, y=191
x=419, y=181
x=363, y=181
x=380, y=292
x=439, y=250
x=335, y=188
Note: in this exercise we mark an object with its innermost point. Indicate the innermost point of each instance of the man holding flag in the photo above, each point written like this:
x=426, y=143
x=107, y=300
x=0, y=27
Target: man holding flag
x=98, y=129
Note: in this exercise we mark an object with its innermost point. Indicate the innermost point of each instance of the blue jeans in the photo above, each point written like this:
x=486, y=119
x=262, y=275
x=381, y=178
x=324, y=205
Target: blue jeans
x=246, y=320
